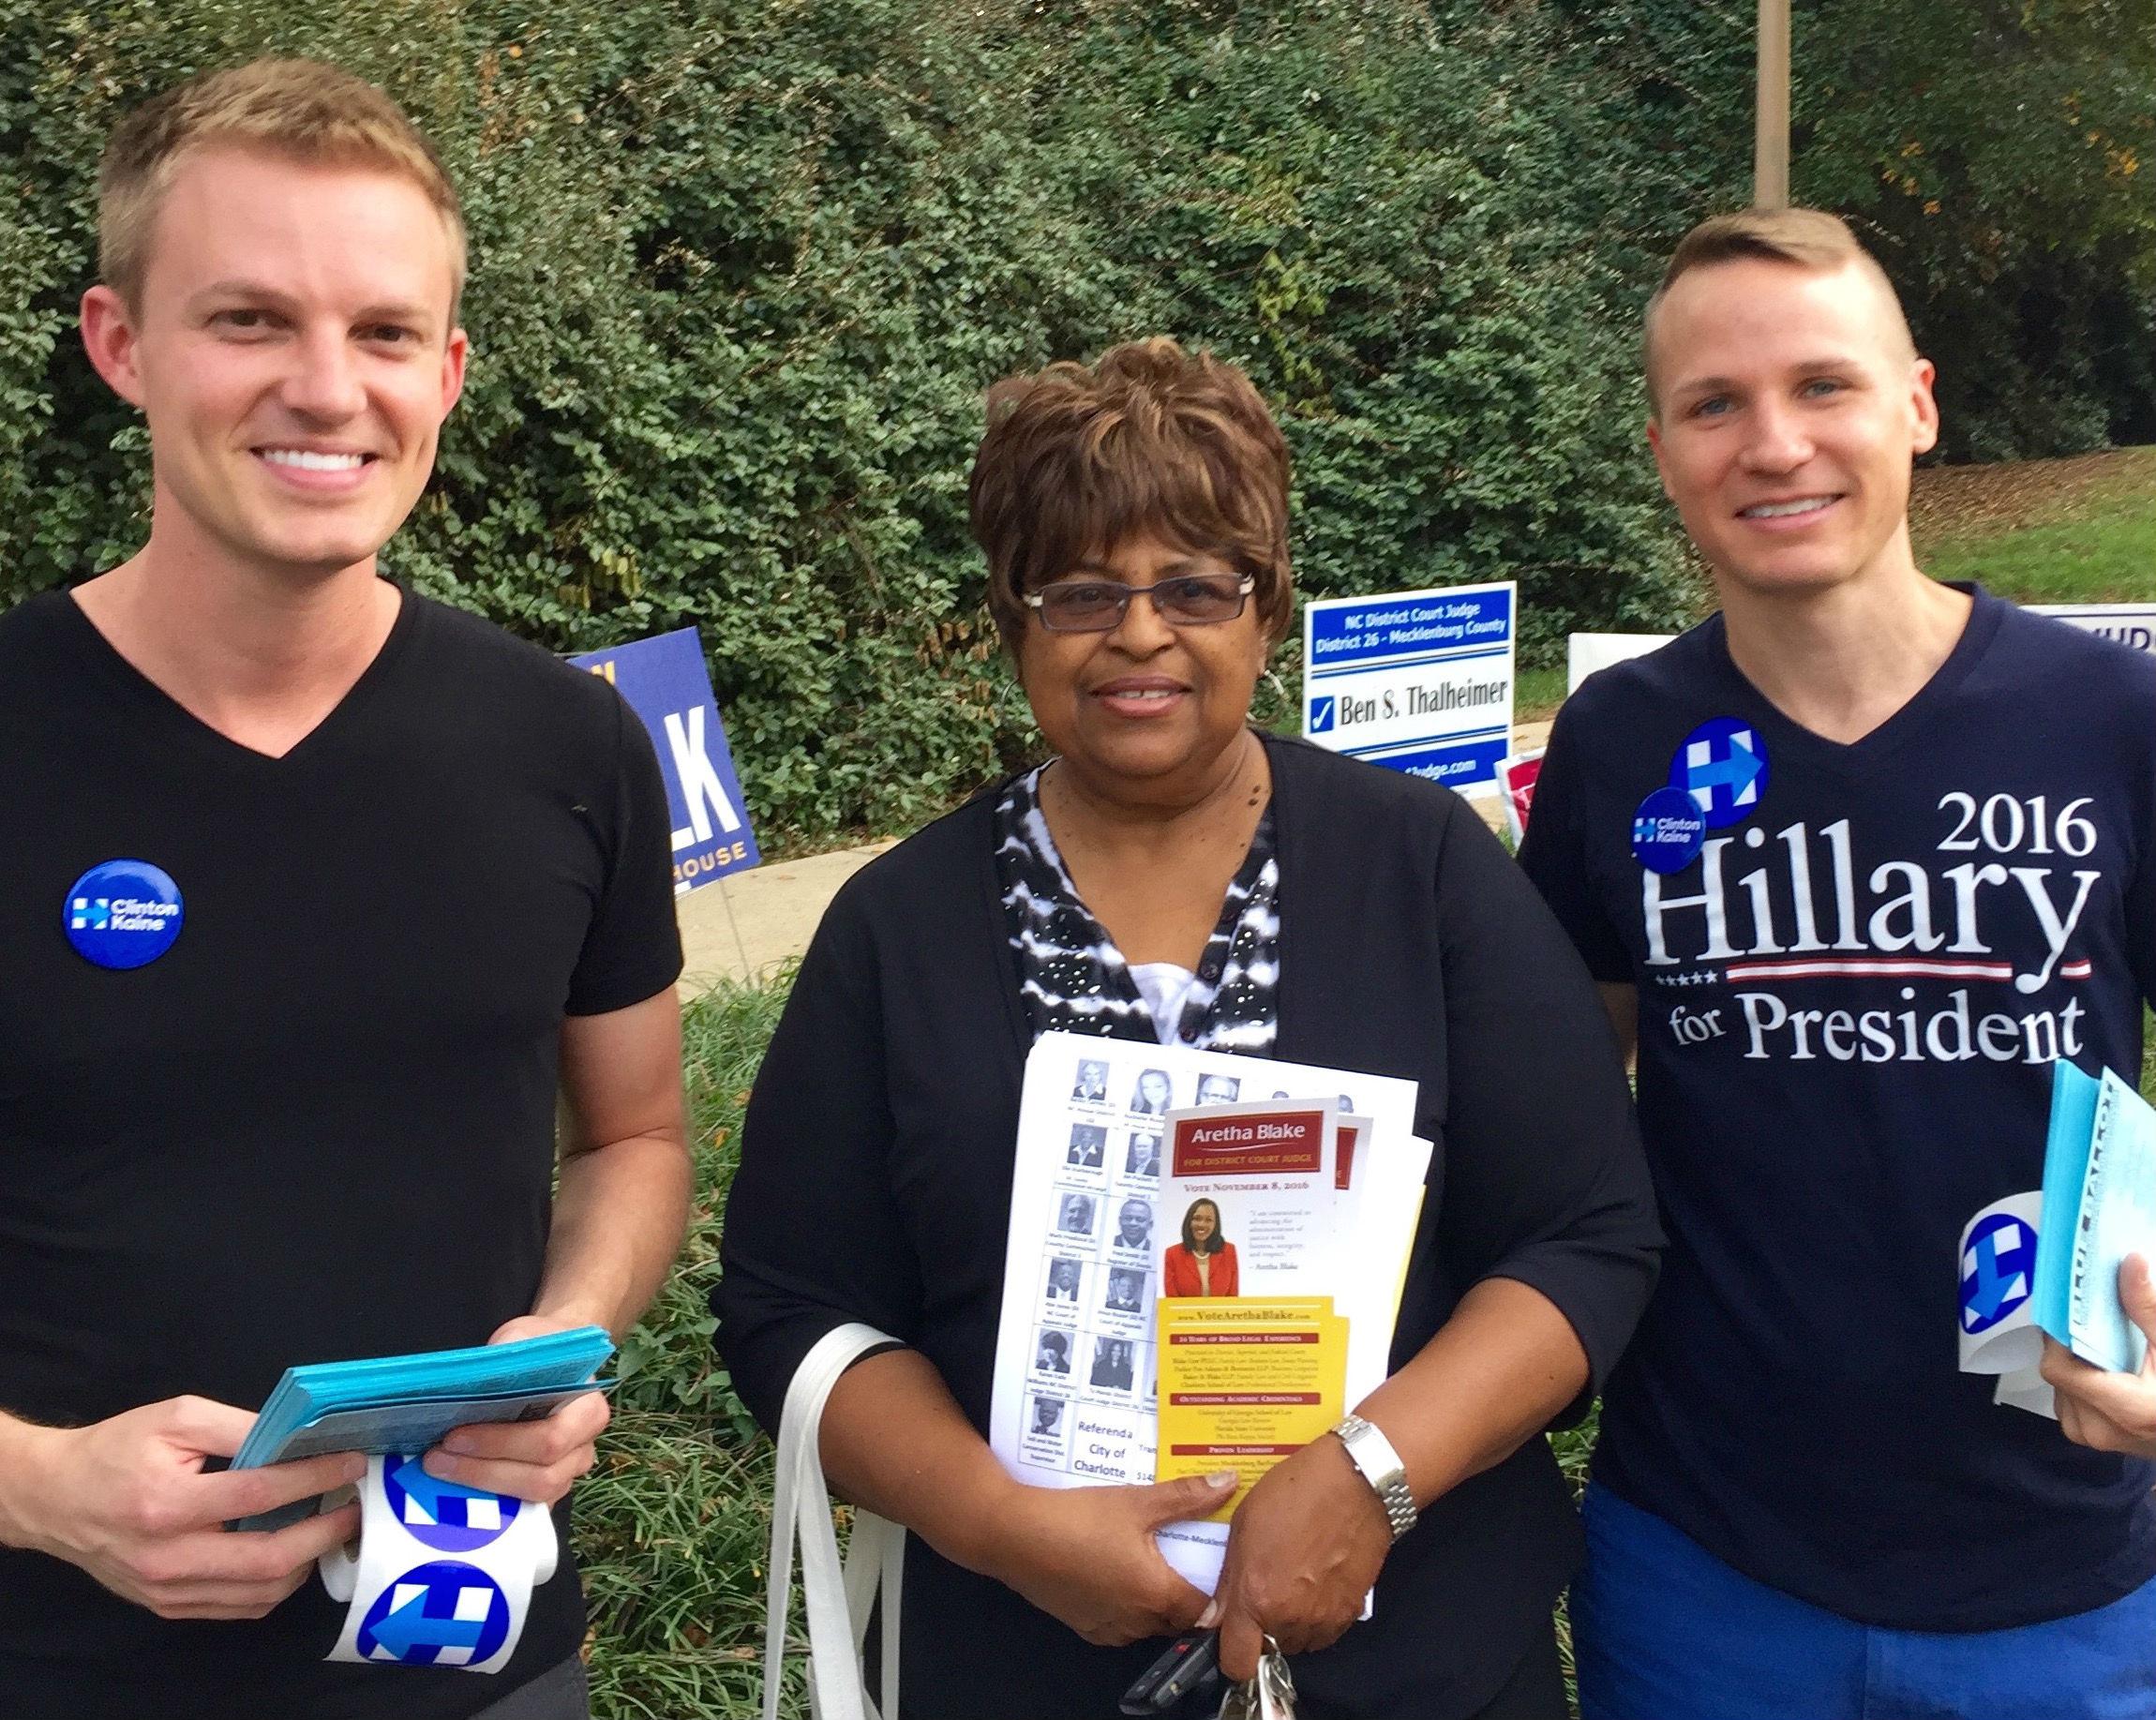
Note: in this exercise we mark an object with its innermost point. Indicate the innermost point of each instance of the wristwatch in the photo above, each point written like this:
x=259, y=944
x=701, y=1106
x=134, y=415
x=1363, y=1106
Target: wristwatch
x=1373, y=1454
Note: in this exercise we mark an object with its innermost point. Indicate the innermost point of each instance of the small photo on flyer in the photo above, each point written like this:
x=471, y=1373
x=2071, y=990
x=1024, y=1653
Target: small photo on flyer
x=1074, y=1215
x=1065, y=1281
x=1218, y=1089
x=1047, y=1434
x=1203, y=1262
x=1133, y=1233
x=1052, y=1349
x=1088, y=1145
x=1091, y=1085
x=1154, y=1094
x=1126, y=1292
x=1114, y=1368
x=1143, y=1157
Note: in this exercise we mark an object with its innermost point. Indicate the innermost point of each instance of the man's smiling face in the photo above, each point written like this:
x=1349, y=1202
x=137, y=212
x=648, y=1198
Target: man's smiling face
x=1789, y=407
x=291, y=349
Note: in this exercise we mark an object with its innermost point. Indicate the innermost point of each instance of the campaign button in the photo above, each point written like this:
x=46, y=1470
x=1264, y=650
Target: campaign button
x=1667, y=831
x=1722, y=766
x=1998, y=1272
x=444, y=1614
x=124, y=913
x=440, y=1514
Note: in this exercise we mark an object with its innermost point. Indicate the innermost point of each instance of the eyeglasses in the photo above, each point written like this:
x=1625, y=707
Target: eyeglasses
x=1099, y=605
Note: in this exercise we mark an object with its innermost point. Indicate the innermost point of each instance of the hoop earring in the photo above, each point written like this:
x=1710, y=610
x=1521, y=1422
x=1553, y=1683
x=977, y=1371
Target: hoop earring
x=1278, y=687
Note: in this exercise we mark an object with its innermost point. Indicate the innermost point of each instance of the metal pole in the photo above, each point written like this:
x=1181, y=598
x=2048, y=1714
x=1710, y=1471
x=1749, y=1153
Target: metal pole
x=1771, y=139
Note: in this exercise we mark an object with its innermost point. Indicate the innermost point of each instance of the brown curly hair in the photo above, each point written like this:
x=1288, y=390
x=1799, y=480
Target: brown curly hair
x=1147, y=437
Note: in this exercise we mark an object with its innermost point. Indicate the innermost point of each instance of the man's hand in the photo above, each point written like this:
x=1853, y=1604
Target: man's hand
x=2106, y=1411
x=1305, y=1548
x=126, y=1500
x=539, y=1461
x=1086, y=1556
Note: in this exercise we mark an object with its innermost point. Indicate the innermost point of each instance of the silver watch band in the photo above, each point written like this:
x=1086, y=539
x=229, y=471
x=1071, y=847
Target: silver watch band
x=1372, y=1454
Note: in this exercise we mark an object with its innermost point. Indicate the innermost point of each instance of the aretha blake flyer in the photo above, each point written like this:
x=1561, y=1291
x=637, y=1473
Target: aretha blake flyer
x=1094, y=1221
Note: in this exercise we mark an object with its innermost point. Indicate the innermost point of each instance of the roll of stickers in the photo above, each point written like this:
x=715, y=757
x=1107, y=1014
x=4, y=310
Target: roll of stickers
x=1999, y=1330
x=444, y=1575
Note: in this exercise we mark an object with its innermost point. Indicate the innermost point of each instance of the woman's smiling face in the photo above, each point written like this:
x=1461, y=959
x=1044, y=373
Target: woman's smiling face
x=1146, y=708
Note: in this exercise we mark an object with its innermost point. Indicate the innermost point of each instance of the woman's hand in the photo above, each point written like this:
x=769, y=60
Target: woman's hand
x=1305, y=1548
x=1086, y=1556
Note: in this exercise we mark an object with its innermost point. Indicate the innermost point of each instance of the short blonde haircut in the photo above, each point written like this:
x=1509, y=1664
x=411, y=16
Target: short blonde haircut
x=303, y=110
x=1147, y=437
x=1802, y=238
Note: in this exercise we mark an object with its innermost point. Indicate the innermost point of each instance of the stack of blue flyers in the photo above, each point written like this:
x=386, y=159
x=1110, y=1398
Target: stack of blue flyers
x=407, y=1402
x=2099, y=1206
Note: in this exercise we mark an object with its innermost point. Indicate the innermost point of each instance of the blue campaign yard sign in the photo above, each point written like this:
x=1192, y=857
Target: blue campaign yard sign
x=1419, y=681
x=666, y=684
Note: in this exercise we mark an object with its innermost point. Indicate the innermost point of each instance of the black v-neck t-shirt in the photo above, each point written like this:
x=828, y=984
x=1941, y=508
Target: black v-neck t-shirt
x=319, y=1126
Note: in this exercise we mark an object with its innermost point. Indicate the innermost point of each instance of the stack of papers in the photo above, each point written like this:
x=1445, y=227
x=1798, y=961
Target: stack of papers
x=2099, y=1206
x=1116, y=1360
x=406, y=1403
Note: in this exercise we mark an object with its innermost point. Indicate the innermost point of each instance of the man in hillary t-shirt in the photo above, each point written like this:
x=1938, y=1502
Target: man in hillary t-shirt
x=1855, y=860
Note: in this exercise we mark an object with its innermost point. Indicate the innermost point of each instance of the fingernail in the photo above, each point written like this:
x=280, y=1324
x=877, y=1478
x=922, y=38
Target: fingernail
x=1210, y=1617
x=1220, y=1480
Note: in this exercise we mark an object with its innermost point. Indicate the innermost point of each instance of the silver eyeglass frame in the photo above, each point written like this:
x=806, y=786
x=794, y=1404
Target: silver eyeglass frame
x=1036, y=601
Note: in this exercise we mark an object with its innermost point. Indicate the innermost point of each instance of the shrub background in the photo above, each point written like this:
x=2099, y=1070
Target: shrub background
x=742, y=271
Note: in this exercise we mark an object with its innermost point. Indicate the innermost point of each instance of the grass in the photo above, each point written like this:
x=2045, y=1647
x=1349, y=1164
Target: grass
x=2044, y=531
x=674, y=1525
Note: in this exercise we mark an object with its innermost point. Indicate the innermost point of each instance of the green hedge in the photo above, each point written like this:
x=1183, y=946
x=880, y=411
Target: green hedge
x=742, y=271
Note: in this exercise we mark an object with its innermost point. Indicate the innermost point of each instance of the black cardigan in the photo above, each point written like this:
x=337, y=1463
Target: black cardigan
x=874, y=1185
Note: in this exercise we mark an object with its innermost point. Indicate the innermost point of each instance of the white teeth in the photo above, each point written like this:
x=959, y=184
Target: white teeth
x=1150, y=692
x=308, y=461
x=1777, y=510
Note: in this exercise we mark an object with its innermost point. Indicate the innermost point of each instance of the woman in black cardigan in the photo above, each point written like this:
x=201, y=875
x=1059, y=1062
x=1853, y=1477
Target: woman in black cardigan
x=1174, y=875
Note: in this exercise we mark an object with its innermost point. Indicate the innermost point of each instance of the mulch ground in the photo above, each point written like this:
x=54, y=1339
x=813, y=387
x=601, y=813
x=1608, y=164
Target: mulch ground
x=1966, y=500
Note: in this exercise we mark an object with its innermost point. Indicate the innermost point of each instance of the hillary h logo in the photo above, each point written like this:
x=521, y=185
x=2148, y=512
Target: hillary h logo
x=87, y=915
x=1723, y=765
x=440, y=1514
x=1998, y=1272
x=443, y=1614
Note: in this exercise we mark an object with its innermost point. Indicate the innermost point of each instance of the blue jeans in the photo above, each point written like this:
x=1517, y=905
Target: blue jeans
x=1663, y=1630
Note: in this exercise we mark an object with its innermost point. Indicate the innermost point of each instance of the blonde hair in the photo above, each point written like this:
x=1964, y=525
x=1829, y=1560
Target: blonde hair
x=1148, y=437
x=1802, y=238
x=305, y=110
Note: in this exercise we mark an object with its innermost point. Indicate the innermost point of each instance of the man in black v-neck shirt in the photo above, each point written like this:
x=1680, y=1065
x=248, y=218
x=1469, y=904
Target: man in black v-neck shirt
x=314, y=896
x=1857, y=860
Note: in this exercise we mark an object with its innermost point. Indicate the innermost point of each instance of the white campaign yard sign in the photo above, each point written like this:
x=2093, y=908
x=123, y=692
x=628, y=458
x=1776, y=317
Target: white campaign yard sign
x=1419, y=681
x=2133, y=625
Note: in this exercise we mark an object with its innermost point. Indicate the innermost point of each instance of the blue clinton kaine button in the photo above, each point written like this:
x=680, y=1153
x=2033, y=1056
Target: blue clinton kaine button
x=1667, y=831
x=124, y=913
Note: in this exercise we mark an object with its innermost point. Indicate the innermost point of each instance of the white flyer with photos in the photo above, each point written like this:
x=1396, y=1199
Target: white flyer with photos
x=1074, y=1394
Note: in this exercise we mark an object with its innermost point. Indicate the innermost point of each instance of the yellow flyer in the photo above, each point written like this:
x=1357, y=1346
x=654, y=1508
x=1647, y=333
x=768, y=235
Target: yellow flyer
x=1246, y=1382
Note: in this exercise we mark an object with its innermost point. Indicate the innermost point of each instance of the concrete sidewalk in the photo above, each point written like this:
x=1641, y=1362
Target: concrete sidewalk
x=741, y=927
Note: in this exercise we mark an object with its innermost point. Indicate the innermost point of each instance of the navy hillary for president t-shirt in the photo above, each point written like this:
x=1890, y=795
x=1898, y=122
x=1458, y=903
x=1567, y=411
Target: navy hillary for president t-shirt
x=1850, y=997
